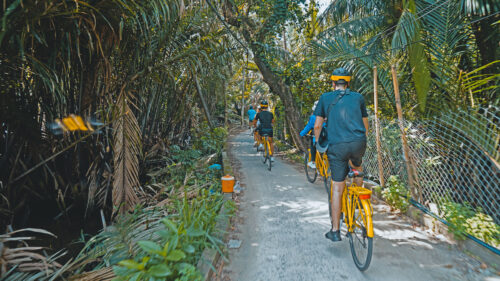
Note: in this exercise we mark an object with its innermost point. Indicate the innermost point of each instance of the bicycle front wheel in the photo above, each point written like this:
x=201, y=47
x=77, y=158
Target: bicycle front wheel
x=361, y=245
x=310, y=172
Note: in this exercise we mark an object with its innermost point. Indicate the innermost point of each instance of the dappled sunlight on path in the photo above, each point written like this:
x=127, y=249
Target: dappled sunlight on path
x=283, y=219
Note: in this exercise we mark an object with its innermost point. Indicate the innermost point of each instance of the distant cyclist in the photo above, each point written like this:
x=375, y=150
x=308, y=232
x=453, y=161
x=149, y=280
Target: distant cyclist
x=266, y=120
x=305, y=131
x=251, y=115
x=256, y=136
x=347, y=127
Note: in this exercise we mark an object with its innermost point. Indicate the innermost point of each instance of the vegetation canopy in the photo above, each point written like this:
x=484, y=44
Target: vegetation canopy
x=112, y=110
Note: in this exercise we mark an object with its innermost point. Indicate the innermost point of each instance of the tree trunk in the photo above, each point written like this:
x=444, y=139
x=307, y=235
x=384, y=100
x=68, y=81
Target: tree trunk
x=202, y=100
x=225, y=102
x=278, y=86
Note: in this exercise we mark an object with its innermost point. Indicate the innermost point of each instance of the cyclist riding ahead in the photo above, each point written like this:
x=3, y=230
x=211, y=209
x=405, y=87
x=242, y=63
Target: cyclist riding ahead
x=266, y=120
x=346, y=128
x=256, y=136
x=308, y=128
x=251, y=115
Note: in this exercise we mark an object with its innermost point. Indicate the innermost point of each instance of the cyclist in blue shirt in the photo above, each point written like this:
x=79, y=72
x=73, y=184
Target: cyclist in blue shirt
x=251, y=115
x=346, y=128
x=308, y=128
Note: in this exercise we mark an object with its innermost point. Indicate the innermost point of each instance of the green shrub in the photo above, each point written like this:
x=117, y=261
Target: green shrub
x=483, y=227
x=456, y=215
x=396, y=194
x=174, y=250
x=208, y=140
x=462, y=219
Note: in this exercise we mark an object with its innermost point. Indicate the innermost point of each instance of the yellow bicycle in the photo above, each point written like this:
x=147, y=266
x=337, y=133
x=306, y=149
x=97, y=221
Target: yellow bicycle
x=322, y=166
x=357, y=213
x=266, y=153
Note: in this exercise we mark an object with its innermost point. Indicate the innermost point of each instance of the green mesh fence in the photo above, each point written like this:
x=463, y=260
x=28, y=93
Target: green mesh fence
x=454, y=156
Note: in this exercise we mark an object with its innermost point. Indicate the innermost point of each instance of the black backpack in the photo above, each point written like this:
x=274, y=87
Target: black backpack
x=323, y=136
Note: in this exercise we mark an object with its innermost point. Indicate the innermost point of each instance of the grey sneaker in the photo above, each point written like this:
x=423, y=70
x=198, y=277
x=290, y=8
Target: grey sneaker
x=272, y=159
x=311, y=165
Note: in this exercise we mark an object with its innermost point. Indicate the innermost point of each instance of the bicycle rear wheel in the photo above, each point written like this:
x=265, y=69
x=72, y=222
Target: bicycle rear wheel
x=269, y=162
x=264, y=153
x=361, y=245
x=310, y=172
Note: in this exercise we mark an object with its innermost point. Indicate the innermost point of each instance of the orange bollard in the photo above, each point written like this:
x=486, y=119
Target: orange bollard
x=227, y=183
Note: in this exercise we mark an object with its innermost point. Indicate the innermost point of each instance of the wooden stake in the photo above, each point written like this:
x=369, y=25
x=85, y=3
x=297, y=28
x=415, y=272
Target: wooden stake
x=377, y=128
x=406, y=150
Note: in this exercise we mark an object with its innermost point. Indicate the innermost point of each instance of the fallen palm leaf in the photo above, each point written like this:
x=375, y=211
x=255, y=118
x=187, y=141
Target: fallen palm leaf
x=15, y=259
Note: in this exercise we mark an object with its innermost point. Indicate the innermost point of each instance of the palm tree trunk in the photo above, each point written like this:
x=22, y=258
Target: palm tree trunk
x=204, y=104
x=275, y=82
x=278, y=86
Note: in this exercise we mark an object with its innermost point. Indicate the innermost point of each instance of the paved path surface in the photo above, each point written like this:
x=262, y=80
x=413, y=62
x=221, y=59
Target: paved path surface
x=282, y=221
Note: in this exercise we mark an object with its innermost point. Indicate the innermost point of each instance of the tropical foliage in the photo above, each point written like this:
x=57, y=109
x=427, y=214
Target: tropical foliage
x=154, y=80
x=149, y=76
x=131, y=65
x=434, y=44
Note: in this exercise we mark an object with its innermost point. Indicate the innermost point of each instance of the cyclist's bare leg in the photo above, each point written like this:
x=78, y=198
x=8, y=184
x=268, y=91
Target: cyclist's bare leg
x=272, y=145
x=357, y=180
x=338, y=188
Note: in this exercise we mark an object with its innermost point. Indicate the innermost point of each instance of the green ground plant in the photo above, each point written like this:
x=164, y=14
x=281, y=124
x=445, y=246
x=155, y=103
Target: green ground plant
x=290, y=152
x=464, y=219
x=396, y=194
x=483, y=227
x=456, y=215
x=173, y=251
x=208, y=140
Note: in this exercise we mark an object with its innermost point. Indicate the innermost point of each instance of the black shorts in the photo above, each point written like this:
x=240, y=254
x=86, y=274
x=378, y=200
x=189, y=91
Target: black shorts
x=339, y=155
x=266, y=132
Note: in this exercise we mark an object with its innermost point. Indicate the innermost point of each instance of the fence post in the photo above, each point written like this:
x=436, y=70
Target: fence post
x=377, y=128
x=406, y=150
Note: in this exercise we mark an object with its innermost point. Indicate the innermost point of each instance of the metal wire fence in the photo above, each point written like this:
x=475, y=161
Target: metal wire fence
x=454, y=156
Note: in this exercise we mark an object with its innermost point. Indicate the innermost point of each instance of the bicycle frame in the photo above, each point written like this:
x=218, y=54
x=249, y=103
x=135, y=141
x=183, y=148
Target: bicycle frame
x=352, y=197
x=260, y=139
x=267, y=145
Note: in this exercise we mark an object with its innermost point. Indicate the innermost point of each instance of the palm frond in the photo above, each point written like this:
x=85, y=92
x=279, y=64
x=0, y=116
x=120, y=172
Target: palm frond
x=126, y=149
x=25, y=262
x=479, y=7
x=339, y=10
x=356, y=27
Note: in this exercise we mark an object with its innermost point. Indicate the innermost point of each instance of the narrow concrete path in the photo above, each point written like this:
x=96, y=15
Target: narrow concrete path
x=282, y=221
